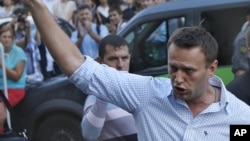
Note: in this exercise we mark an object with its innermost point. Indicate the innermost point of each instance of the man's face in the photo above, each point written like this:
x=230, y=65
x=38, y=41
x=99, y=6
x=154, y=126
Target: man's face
x=118, y=58
x=6, y=38
x=85, y=15
x=188, y=72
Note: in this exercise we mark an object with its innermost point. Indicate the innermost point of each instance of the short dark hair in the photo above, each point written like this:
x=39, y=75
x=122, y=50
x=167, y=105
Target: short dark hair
x=114, y=3
x=83, y=6
x=20, y=10
x=190, y=37
x=114, y=40
x=117, y=9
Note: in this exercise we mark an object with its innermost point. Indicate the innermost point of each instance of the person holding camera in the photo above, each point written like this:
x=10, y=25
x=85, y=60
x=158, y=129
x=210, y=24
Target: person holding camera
x=25, y=38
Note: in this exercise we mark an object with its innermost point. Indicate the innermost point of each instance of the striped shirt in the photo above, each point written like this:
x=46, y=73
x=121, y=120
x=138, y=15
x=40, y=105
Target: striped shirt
x=105, y=121
x=159, y=115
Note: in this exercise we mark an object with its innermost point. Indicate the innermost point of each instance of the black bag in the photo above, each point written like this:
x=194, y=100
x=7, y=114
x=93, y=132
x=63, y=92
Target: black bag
x=10, y=134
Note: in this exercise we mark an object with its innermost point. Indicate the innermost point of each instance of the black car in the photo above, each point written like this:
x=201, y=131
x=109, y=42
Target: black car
x=51, y=111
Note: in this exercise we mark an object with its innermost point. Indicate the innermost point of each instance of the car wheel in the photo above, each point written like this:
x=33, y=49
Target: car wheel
x=59, y=127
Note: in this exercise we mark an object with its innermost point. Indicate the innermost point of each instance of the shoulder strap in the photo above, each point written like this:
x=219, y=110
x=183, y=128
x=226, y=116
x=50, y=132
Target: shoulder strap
x=6, y=102
x=98, y=29
x=13, y=113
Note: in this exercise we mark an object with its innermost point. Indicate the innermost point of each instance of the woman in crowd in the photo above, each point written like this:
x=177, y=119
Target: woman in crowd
x=15, y=67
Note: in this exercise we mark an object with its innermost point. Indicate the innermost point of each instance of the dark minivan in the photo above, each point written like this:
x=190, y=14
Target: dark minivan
x=222, y=18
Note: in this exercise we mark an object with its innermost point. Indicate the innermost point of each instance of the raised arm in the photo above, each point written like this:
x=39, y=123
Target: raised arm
x=64, y=52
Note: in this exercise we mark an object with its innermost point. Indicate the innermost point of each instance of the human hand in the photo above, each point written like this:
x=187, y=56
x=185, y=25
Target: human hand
x=111, y=28
x=87, y=25
x=30, y=3
x=14, y=19
x=27, y=26
x=80, y=29
x=22, y=27
x=27, y=3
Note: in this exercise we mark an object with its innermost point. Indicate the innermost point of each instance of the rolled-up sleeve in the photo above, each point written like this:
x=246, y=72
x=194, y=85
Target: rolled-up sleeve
x=128, y=91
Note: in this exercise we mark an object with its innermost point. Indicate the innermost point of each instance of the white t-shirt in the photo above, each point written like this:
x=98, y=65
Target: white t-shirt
x=49, y=4
x=103, y=10
x=4, y=13
x=62, y=9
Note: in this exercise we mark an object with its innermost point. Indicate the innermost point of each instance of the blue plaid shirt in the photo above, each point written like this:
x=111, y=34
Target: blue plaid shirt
x=160, y=116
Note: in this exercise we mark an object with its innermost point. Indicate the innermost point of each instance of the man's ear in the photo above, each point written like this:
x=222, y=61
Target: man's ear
x=99, y=59
x=213, y=68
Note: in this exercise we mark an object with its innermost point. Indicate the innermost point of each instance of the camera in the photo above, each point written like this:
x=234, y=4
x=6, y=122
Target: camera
x=20, y=18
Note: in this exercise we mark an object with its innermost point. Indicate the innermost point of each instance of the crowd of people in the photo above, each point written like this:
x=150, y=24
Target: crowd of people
x=92, y=19
x=172, y=108
x=119, y=106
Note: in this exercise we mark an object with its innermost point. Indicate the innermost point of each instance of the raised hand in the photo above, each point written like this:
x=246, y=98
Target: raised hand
x=87, y=25
x=80, y=29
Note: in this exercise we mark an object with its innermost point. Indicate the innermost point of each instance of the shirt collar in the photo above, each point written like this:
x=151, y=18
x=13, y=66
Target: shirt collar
x=217, y=82
x=224, y=100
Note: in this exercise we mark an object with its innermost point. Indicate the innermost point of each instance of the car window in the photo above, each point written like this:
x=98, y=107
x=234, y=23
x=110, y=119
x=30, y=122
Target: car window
x=147, y=43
